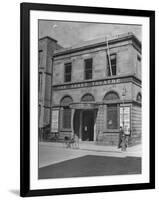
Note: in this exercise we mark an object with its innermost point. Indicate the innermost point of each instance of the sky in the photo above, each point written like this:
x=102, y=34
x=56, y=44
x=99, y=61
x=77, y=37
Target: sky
x=71, y=33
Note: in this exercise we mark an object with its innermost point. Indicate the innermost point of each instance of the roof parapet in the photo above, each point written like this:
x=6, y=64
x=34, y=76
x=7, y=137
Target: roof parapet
x=97, y=42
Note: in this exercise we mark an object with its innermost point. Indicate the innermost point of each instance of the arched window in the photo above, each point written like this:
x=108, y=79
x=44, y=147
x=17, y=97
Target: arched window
x=112, y=110
x=66, y=101
x=111, y=96
x=66, y=112
x=87, y=98
x=139, y=97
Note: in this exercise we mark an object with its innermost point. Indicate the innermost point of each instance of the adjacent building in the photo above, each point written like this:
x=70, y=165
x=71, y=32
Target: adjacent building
x=46, y=48
x=94, y=89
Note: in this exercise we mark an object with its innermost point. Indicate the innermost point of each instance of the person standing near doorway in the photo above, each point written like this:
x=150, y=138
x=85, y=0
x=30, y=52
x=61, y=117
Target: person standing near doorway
x=120, y=137
x=123, y=141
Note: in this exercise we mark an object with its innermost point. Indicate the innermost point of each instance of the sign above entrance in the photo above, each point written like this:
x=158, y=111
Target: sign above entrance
x=84, y=106
x=106, y=81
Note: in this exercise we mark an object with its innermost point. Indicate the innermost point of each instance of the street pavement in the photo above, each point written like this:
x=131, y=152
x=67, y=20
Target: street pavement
x=92, y=165
x=53, y=153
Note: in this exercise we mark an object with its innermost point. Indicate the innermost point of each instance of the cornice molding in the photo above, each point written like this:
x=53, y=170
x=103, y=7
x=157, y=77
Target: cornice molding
x=125, y=37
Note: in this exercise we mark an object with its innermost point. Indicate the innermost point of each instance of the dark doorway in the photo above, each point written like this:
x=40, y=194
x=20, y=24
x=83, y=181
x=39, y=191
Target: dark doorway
x=88, y=125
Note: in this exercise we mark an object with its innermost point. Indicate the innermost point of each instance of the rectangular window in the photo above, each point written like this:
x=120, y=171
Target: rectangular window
x=112, y=67
x=112, y=116
x=67, y=72
x=88, y=68
x=66, y=119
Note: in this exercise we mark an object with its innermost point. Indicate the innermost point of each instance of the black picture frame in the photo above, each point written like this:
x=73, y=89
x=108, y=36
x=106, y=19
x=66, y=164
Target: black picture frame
x=25, y=9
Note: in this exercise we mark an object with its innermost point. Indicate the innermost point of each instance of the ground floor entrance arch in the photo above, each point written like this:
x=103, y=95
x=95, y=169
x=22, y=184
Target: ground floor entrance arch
x=84, y=120
x=88, y=125
x=84, y=124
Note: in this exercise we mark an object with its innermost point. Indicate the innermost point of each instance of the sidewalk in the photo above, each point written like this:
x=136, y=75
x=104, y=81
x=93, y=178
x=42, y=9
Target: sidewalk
x=130, y=151
x=52, y=152
x=90, y=146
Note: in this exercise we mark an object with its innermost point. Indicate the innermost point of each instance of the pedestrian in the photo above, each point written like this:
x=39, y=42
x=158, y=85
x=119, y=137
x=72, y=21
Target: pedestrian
x=127, y=134
x=76, y=141
x=123, y=143
x=120, y=137
x=66, y=141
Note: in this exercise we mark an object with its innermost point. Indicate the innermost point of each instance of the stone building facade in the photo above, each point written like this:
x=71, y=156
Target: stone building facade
x=46, y=47
x=96, y=88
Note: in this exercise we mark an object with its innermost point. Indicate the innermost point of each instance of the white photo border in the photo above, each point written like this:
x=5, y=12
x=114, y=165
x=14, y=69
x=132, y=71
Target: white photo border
x=35, y=183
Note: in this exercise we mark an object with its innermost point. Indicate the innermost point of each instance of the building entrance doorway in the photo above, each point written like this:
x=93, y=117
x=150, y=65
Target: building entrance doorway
x=87, y=125
x=84, y=124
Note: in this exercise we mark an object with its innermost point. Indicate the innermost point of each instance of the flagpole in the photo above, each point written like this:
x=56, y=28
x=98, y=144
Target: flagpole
x=110, y=67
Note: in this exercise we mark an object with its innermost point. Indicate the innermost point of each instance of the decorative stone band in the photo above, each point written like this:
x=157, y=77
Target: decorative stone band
x=92, y=83
x=95, y=105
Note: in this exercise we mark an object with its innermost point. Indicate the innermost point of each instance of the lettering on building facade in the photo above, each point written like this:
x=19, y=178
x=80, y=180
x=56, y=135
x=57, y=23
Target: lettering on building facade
x=93, y=83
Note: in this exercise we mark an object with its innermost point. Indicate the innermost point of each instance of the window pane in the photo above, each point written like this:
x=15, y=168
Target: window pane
x=88, y=68
x=113, y=70
x=111, y=96
x=113, y=65
x=112, y=117
x=88, y=75
x=67, y=77
x=88, y=63
x=66, y=101
x=67, y=73
x=68, y=68
x=87, y=97
x=66, y=118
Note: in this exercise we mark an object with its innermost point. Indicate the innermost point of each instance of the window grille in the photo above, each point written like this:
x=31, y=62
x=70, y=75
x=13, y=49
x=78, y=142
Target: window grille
x=67, y=72
x=88, y=68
